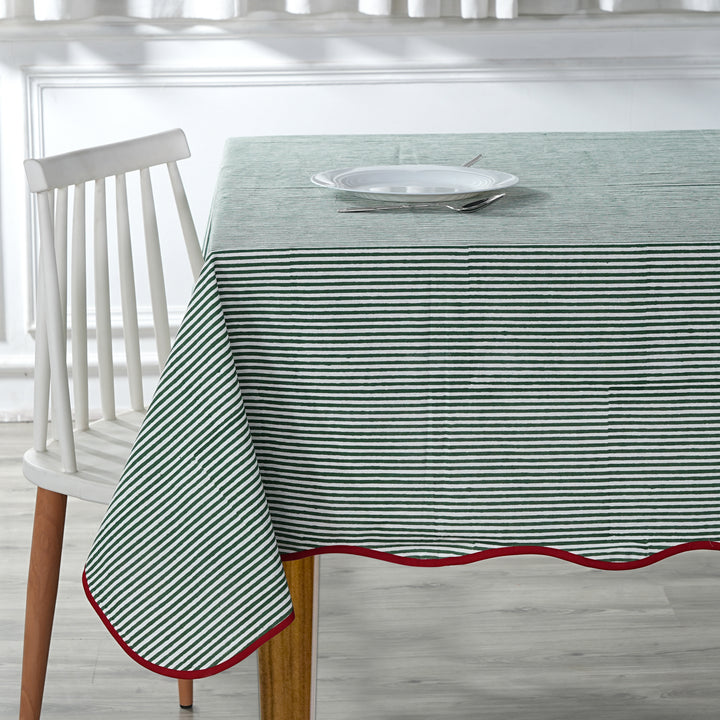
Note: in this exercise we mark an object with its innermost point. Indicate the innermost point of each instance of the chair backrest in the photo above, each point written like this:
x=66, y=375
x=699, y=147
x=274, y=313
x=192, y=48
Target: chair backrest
x=50, y=179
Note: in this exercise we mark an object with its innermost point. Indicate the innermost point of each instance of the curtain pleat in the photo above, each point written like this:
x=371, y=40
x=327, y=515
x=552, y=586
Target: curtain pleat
x=659, y=5
x=54, y=10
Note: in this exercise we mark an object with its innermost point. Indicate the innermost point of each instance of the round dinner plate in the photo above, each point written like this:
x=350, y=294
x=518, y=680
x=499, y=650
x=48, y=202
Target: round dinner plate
x=414, y=183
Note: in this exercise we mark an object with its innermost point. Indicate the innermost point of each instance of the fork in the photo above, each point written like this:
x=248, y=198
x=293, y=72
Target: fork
x=470, y=206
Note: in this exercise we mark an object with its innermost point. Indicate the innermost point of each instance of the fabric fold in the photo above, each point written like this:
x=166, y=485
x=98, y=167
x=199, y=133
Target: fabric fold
x=186, y=554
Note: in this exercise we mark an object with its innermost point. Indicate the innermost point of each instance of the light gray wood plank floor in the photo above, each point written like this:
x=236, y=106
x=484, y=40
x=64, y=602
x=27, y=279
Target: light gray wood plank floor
x=516, y=638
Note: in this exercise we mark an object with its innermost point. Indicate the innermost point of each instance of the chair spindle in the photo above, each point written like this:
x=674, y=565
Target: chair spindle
x=186, y=221
x=78, y=311
x=155, y=271
x=59, y=210
x=102, y=304
x=41, y=400
x=128, y=296
x=61, y=245
x=53, y=330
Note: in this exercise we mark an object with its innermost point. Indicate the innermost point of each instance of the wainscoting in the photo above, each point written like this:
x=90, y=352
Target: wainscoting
x=87, y=85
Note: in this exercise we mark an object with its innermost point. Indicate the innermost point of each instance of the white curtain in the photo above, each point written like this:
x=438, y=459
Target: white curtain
x=48, y=10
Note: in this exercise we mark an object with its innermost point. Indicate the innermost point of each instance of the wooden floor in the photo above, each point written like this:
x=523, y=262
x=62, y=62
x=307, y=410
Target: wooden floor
x=515, y=638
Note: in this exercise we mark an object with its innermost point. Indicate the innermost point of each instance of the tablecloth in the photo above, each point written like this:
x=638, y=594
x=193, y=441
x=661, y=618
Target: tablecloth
x=423, y=386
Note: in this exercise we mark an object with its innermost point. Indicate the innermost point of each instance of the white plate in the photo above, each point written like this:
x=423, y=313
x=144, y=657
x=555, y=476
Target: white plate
x=414, y=183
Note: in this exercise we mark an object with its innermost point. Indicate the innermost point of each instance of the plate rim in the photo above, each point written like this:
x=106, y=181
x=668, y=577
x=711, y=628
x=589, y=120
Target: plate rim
x=329, y=182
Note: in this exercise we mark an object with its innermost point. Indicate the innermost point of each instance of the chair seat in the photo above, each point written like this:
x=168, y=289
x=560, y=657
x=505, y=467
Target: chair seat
x=101, y=451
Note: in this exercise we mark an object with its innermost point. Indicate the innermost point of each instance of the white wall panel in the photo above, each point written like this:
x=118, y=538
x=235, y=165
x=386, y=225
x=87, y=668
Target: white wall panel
x=58, y=95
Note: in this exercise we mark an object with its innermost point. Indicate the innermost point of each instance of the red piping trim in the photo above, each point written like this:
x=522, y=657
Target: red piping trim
x=388, y=557
x=505, y=551
x=183, y=674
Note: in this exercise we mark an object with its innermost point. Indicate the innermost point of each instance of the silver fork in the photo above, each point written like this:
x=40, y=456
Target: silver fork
x=473, y=161
x=470, y=206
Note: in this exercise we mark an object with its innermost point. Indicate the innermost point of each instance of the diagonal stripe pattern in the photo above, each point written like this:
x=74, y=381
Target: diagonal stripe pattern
x=185, y=568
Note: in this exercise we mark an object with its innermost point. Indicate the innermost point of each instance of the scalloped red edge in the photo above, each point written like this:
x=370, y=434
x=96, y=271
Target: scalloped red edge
x=399, y=560
x=510, y=550
x=184, y=674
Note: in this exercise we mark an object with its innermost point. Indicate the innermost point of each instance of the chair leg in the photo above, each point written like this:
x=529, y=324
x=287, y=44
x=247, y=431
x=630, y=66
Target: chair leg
x=185, y=693
x=286, y=663
x=45, y=554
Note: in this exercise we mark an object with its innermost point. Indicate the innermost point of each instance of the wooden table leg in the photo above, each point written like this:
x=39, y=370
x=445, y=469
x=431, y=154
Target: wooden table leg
x=286, y=663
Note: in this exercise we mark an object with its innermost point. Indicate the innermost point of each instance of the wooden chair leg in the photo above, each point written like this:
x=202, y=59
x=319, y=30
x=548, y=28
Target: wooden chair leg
x=286, y=663
x=185, y=693
x=45, y=554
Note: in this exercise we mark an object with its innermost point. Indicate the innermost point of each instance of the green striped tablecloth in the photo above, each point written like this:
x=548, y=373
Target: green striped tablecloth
x=424, y=386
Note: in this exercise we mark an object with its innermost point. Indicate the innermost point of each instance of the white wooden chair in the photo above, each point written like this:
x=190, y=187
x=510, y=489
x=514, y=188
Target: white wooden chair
x=84, y=459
